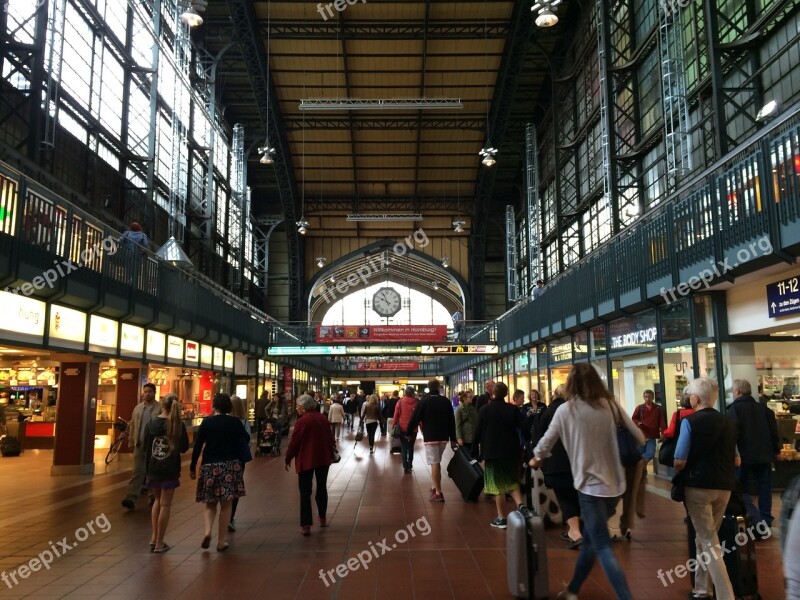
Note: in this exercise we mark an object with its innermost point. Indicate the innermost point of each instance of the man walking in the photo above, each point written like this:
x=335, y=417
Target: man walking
x=144, y=412
x=758, y=444
x=435, y=414
x=388, y=410
x=651, y=420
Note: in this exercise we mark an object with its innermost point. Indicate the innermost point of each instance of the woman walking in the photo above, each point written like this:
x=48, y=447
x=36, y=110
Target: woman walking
x=402, y=416
x=165, y=440
x=371, y=416
x=336, y=418
x=312, y=446
x=586, y=422
x=240, y=412
x=497, y=441
x=220, y=439
x=558, y=475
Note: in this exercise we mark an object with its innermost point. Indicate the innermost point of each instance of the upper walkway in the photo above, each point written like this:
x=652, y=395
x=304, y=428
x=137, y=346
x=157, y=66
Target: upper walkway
x=462, y=557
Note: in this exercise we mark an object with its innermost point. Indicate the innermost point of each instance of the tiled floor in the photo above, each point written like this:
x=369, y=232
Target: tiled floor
x=370, y=499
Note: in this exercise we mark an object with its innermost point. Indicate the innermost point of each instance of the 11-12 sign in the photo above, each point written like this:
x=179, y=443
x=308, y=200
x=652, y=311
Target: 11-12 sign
x=783, y=297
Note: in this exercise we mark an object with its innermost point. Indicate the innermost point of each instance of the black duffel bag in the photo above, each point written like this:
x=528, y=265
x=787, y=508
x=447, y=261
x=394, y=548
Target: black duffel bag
x=10, y=446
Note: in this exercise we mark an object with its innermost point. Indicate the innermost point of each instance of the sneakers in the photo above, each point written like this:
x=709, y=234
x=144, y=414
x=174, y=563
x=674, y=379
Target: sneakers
x=437, y=497
x=129, y=503
x=499, y=523
x=323, y=522
x=567, y=595
x=305, y=530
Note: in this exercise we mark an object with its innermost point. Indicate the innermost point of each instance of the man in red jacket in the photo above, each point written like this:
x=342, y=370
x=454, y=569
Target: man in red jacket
x=651, y=420
x=313, y=447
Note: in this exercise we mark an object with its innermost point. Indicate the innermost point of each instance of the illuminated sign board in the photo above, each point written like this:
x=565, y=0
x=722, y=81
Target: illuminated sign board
x=156, y=344
x=219, y=358
x=174, y=348
x=228, y=360
x=67, y=326
x=478, y=349
x=102, y=333
x=23, y=317
x=192, y=351
x=305, y=350
x=206, y=356
x=131, y=339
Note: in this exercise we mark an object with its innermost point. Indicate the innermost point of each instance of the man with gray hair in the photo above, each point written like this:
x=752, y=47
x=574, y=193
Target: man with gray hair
x=759, y=445
x=705, y=458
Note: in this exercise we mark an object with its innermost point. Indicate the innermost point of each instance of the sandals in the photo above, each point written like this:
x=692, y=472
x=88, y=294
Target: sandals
x=164, y=548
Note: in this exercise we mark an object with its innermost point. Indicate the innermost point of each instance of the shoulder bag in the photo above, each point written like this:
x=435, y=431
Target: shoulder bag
x=677, y=491
x=666, y=454
x=629, y=453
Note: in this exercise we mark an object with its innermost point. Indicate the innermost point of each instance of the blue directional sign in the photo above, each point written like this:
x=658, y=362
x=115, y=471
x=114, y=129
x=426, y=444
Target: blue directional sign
x=783, y=297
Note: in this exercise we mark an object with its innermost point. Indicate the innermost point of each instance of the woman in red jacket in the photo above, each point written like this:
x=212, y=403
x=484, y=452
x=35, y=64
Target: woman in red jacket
x=402, y=416
x=312, y=446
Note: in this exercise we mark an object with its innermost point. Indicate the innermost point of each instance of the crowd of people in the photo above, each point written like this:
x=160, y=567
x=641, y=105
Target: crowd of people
x=717, y=457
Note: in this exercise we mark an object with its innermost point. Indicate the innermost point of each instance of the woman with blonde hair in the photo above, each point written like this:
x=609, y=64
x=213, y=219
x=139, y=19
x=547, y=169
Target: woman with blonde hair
x=240, y=412
x=588, y=420
x=164, y=442
x=371, y=416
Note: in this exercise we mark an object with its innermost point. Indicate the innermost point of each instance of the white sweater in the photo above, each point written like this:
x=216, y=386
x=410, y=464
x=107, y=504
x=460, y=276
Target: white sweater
x=589, y=436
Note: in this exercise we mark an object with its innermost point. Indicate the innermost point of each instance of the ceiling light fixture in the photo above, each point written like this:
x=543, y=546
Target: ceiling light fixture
x=266, y=153
x=323, y=104
x=445, y=262
x=546, y=16
x=191, y=17
x=435, y=285
x=302, y=226
x=488, y=156
x=768, y=112
x=458, y=226
x=321, y=260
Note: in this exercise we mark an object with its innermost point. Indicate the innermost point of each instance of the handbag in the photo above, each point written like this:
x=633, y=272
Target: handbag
x=359, y=433
x=396, y=431
x=336, y=456
x=677, y=493
x=666, y=454
x=629, y=453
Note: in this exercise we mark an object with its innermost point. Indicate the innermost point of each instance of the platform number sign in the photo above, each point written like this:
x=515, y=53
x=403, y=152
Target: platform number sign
x=783, y=297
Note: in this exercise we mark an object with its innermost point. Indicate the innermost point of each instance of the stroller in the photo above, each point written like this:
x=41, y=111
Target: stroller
x=268, y=442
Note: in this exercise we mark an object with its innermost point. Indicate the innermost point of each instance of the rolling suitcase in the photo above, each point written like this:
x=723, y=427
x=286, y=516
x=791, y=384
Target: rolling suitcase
x=394, y=444
x=526, y=556
x=740, y=561
x=466, y=473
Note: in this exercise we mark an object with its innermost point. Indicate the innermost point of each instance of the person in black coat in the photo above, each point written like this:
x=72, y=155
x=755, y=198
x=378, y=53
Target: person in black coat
x=558, y=473
x=497, y=441
x=759, y=445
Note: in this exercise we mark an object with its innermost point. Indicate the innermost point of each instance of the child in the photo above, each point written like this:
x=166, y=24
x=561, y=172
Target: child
x=165, y=440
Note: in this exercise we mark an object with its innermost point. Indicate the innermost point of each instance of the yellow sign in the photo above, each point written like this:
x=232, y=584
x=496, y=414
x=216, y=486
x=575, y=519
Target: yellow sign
x=228, y=360
x=206, y=355
x=174, y=348
x=22, y=316
x=132, y=339
x=67, y=325
x=103, y=333
x=156, y=344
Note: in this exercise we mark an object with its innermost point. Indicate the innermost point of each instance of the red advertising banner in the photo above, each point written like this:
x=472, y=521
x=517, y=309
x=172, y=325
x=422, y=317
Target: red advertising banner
x=287, y=379
x=396, y=365
x=360, y=334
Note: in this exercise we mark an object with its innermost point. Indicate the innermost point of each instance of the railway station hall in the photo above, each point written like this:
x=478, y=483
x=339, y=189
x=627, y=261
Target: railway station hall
x=400, y=299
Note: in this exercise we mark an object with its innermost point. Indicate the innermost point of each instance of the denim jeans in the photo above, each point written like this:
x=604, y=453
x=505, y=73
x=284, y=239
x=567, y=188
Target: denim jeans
x=407, y=450
x=305, y=480
x=757, y=478
x=596, y=544
x=648, y=450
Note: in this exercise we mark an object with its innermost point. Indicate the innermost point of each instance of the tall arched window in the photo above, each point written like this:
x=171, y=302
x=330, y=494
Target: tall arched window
x=416, y=308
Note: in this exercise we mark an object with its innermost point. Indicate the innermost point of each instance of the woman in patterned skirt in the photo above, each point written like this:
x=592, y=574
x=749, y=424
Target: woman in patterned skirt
x=220, y=438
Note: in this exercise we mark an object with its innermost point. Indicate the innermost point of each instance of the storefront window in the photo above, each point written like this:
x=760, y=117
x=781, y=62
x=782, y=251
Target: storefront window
x=581, y=346
x=704, y=321
x=675, y=322
x=598, y=338
x=632, y=376
x=543, y=379
x=678, y=370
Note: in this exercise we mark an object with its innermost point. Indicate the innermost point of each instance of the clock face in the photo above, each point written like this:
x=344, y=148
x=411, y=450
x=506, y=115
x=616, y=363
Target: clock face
x=386, y=302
